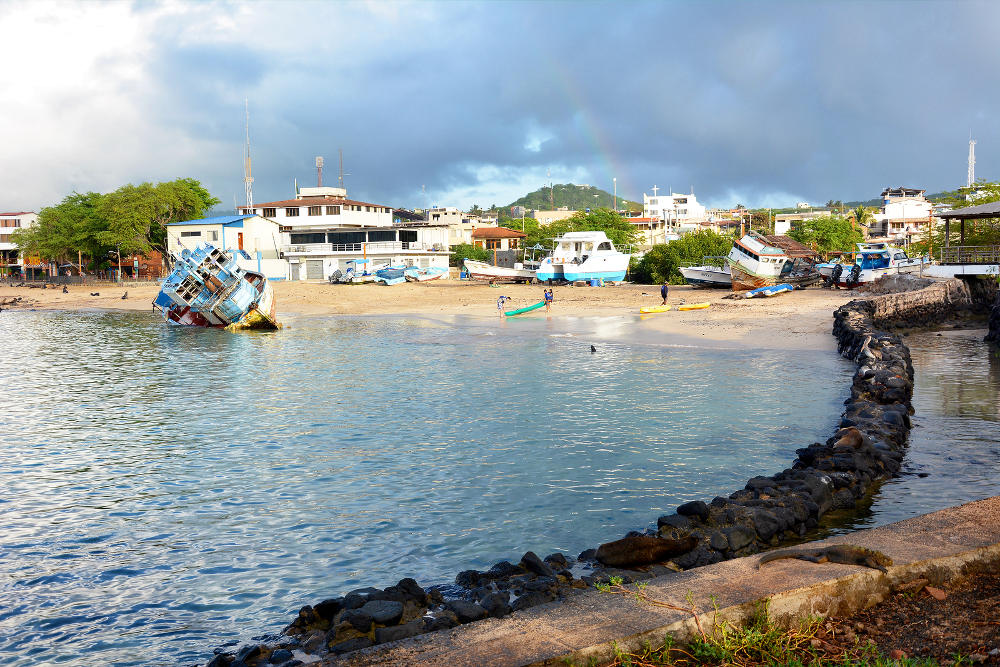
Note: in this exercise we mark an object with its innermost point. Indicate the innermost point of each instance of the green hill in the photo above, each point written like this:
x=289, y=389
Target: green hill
x=574, y=197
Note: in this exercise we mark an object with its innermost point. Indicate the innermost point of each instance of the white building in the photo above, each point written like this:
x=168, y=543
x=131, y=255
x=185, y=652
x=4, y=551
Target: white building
x=905, y=214
x=321, y=230
x=11, y=261
x=256, y=236
x=444, y=215
x=680, y=213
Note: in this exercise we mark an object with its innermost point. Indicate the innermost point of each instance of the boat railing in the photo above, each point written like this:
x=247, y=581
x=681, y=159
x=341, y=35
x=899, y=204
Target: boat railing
x=969, y=254
x=374, y=246
x=707, y=260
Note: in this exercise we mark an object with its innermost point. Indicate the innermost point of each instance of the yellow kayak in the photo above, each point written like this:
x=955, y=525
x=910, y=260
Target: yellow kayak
x=694, y=306
x=654, y=309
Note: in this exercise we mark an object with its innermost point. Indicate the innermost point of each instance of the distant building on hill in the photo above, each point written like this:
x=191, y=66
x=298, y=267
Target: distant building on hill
x=545, y=217
x=12, y=260
x=785, y=222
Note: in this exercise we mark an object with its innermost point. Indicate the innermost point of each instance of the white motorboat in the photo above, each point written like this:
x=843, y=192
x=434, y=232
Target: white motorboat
x=708, y=274
x=583, y=256
x=484, y=271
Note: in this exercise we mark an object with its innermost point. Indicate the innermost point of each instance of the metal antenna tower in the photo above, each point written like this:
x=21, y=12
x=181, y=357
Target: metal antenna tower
x=319, y=171
x=342, y=174
x=972, y=160
x=247, y=177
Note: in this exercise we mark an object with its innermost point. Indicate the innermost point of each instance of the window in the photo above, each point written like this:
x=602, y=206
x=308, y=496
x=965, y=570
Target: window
x=317, y=237
x=382, y=235
x=408, y=235
x=190, y=234
x=333, y=210
x=315, y=210
x=213, y=236
x=291, y=212
x=513, y=244
x=270, y=212
x=492, y=244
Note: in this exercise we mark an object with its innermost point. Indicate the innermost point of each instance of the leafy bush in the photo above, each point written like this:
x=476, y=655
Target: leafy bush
x=662, y=261
x=464, y=251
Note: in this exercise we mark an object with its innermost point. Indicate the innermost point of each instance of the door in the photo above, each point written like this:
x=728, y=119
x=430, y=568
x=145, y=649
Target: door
x=239, y=240
x=314, y=269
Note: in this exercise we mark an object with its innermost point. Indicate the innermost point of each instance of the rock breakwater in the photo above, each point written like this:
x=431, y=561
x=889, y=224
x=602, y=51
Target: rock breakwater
x=868, y=446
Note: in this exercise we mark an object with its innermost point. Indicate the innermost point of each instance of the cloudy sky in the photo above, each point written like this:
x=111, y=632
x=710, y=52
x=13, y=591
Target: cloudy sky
x=461, y=103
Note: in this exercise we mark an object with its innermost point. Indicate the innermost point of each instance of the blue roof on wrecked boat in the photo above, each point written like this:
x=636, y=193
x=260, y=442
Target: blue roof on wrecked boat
x=224, y=220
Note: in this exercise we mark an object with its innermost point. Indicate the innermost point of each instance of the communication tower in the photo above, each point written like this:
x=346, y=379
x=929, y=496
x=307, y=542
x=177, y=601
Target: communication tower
x=972, y=161
x=319, y=171
x=247, y=177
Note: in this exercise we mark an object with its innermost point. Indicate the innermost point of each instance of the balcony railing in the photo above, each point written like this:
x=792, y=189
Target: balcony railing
x=969, y=254
x=373, y=247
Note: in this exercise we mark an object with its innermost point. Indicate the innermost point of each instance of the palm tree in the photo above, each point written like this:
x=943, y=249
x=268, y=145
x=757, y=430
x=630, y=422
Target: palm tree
x=863, y=217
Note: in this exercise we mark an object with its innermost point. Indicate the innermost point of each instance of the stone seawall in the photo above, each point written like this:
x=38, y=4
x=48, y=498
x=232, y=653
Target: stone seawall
x=867, y=447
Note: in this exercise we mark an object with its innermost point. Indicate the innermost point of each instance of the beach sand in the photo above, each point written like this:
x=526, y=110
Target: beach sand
x=798, y=320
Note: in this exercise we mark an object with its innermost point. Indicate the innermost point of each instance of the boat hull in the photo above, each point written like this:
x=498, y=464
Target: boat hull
x=208, y=288
x=707, y=276
x=484, y=271
x=745, y=280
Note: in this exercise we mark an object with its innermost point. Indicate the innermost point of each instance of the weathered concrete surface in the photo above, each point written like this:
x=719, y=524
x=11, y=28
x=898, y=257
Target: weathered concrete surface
x=933, y=545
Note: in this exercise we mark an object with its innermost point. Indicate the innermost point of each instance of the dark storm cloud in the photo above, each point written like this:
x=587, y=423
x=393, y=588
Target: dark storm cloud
x=760, y=101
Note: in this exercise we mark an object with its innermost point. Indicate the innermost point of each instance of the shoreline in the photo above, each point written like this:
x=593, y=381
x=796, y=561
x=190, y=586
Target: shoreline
x=748, y=323
x=868, y=446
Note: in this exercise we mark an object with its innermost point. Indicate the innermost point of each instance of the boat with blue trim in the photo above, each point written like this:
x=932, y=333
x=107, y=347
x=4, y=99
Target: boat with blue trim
x=872, y=261
x=763, y=261
x=208, y=288
x=583, y=256
x=714, y=272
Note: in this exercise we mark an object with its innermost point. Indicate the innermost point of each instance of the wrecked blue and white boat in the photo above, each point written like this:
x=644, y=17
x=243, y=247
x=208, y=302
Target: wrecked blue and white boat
x=208, y=288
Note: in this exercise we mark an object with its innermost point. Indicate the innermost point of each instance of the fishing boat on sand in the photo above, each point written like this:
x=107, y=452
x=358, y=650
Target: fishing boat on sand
x=762, y=261
x=709, y=274
x=208, y=288
x=498, y=274
x=418, y=275
x=873, y=261
x=583, y=256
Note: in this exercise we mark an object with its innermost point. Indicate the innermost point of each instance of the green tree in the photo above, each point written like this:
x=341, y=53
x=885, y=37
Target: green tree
x=663, y=261
x=863, y=216
x=464, y=251
x=65, y=230
x=136, y=215
x=828, y=233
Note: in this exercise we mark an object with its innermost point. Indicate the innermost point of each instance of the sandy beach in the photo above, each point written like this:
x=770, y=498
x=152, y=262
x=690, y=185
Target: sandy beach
x=797, y=320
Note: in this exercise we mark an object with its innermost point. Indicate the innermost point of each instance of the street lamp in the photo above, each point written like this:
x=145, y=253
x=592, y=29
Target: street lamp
x=615, y=181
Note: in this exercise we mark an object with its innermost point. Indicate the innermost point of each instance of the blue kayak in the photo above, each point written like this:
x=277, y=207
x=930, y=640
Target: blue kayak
x=770, y=290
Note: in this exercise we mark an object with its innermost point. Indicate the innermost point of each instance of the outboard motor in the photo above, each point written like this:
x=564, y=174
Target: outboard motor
x=838, y=271
x=855, y=276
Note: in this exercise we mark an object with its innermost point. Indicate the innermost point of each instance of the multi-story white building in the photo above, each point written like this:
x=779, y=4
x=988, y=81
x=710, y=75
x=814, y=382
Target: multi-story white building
x=11, y=259
x=321, y=230
x=679, y=213
x=905, y=214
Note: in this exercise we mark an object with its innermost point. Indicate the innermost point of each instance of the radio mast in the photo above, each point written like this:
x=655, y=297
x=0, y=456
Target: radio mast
x=319, y=171
x=972, y=160
x=247, y=177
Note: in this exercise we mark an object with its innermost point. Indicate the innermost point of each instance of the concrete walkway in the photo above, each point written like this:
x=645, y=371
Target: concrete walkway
x=933, y=545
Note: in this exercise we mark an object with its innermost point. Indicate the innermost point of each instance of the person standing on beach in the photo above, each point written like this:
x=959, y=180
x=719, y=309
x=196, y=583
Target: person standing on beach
x=548, y=299
x=664, y=291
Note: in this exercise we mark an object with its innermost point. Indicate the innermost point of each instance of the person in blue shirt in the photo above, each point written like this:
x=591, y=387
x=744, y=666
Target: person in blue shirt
x=664, y=291
x=548, y=298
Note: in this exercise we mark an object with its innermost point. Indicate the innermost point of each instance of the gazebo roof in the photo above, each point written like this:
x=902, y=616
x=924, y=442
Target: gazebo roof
x=990, y=210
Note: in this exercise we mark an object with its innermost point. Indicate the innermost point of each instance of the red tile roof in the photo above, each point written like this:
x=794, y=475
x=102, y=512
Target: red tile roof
x=7, y=215
x=497, y=233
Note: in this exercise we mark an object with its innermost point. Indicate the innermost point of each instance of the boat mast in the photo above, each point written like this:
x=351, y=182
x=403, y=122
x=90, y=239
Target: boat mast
x=247, y=178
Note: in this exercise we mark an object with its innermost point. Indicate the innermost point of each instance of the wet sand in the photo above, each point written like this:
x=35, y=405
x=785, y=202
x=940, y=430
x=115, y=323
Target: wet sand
x=796, y=320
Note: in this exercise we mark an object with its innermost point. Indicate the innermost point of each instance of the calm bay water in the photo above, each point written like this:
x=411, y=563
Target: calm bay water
x=164, y=490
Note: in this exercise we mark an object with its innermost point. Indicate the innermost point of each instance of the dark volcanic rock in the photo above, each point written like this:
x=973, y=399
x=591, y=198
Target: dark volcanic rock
x=466, y=611
x=359, y=620
x=383, y=612
x=351, y=645
x=695, y=508
x=397, y=632
x=532, y=599
x=533, y=563
x=496, y=604
x=468, y=578
x=280, y=656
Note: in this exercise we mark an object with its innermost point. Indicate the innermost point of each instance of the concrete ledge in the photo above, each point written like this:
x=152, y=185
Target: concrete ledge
x=584, y=627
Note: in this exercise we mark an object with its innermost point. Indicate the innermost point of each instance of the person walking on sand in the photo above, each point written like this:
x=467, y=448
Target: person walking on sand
x=500, y=303
x=664, y=291
x=548, y=299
